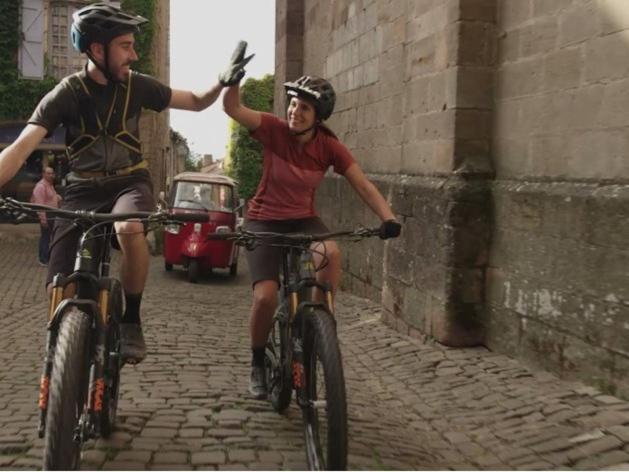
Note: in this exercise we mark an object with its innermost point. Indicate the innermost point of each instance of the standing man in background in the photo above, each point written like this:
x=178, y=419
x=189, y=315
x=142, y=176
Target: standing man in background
x=44, y=193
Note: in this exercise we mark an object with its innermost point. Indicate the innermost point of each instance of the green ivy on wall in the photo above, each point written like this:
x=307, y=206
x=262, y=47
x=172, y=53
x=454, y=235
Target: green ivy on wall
x=18, y=97
x=244, y=154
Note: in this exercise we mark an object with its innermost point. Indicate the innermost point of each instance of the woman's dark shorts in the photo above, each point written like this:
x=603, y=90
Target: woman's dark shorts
x=116, y=194
x=264, y=261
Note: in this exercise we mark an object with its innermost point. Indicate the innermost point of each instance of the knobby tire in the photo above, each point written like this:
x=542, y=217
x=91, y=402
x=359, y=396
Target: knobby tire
x=277, y=372
x=112, y=381
x=325, y=428
x=68, y=390
x=113, y=363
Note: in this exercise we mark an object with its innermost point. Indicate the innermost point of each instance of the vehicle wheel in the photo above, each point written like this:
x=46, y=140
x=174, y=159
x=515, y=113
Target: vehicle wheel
x=325, y=421
x=113, y=362
x=278, y=378
x=168, y=266
x=193, y=271
x=68, y=392
x=233, y=269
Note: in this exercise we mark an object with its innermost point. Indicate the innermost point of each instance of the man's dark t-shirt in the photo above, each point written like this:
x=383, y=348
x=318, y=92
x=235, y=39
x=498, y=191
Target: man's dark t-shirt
x=61, y=106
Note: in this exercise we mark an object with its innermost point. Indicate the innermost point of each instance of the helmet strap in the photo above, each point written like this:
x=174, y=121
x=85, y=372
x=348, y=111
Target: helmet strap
x=301, y=133
x=105, y=70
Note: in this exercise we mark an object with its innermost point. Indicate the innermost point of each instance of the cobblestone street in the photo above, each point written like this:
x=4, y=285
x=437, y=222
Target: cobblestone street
x=412, y=405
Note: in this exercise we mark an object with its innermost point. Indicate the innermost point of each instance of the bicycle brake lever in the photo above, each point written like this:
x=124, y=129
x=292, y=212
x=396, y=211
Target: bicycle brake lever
x=251, y=244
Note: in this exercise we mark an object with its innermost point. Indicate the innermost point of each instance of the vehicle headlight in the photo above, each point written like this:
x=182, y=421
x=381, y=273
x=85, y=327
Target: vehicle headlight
x=172, y=229
x=197, y=228
x=222, y=229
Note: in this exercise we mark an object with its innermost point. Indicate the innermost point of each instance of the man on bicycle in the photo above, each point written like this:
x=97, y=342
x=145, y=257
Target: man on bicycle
x=100, y=108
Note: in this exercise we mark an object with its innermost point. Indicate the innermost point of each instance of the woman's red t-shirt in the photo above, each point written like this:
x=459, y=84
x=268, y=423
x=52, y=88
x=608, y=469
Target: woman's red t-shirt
x=292, y=171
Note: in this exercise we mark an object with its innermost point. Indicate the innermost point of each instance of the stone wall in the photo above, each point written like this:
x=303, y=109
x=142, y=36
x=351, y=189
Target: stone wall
x=155, y=127
x=557, y=291
x=497, y=130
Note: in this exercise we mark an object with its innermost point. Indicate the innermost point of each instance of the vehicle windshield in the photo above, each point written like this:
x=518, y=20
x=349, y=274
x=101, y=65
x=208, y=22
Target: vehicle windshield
x=203, y=196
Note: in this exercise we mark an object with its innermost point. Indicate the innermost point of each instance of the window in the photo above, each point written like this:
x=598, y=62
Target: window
x=203, y=196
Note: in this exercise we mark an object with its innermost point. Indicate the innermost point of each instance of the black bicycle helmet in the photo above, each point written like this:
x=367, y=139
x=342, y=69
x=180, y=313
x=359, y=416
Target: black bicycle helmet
x=101, y=22
x=316, y=89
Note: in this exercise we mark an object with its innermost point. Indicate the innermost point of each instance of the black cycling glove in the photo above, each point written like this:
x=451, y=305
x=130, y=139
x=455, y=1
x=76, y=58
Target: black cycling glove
x=390, y=229
x=236, y=70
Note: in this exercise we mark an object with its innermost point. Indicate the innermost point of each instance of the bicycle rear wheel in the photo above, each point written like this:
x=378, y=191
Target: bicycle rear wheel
x=325, y=409
x=68, y=391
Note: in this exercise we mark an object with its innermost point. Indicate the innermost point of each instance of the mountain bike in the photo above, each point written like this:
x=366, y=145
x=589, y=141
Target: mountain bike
x=302, y=353
x=80, y=382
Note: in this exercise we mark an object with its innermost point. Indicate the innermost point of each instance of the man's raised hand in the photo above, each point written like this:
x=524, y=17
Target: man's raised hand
x=236, y=70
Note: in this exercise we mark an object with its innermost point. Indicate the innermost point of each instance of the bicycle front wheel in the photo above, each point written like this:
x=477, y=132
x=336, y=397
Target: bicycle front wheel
x=280, y=384
x=113, y=362
x=68, y=391
x=325, y=409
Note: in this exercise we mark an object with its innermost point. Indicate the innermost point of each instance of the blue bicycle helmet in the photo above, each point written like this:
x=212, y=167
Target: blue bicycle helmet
x=101, y=22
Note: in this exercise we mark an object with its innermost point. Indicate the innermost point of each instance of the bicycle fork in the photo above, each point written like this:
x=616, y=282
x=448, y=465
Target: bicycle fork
x=89, y=426
x=301, y=285
x=60, y=290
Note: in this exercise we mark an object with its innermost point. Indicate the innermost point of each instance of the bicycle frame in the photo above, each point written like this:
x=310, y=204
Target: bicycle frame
x=303, y=337
x=92, y=297
x=296, y=285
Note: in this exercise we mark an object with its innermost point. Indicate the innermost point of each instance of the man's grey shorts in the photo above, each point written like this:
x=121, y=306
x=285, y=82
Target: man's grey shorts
x=116, y=194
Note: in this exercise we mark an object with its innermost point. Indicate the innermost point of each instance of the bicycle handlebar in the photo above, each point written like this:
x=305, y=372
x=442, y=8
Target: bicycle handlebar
x=10, y=205
x=246, y=237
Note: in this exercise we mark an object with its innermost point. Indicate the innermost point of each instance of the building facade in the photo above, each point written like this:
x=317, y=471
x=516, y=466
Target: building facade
x=498, y=131
x=46, y=49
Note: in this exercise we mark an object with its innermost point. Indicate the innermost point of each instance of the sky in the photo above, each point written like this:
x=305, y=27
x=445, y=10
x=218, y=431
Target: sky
x=203, y=35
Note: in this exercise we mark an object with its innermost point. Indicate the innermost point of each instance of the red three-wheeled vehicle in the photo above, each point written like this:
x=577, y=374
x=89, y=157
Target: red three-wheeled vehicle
x=186, y=244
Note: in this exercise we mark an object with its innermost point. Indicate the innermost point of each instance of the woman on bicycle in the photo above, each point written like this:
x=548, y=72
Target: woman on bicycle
x=297, y=153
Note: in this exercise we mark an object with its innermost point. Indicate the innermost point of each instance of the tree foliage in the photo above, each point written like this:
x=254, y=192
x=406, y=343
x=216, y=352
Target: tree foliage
x=191, y=162
x=244, y=154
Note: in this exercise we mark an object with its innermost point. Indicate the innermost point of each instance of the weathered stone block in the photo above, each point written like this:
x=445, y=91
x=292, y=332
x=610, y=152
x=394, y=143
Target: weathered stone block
x=520, y=78
x=543, y=7
x=578, y=22
x=472, y=87
x=476, y=43
x=605, y=58
x=615, y=101
x=563, y=69
x=421, y=57
x=512, y=14
x=539, y=37
x=508, y=46
x=477, y=10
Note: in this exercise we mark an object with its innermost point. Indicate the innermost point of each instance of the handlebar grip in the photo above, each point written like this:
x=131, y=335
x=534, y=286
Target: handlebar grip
x=220, y=236
x=191, y=217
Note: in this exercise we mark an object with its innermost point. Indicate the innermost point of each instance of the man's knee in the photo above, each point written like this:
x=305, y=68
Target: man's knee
x=130, y=233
